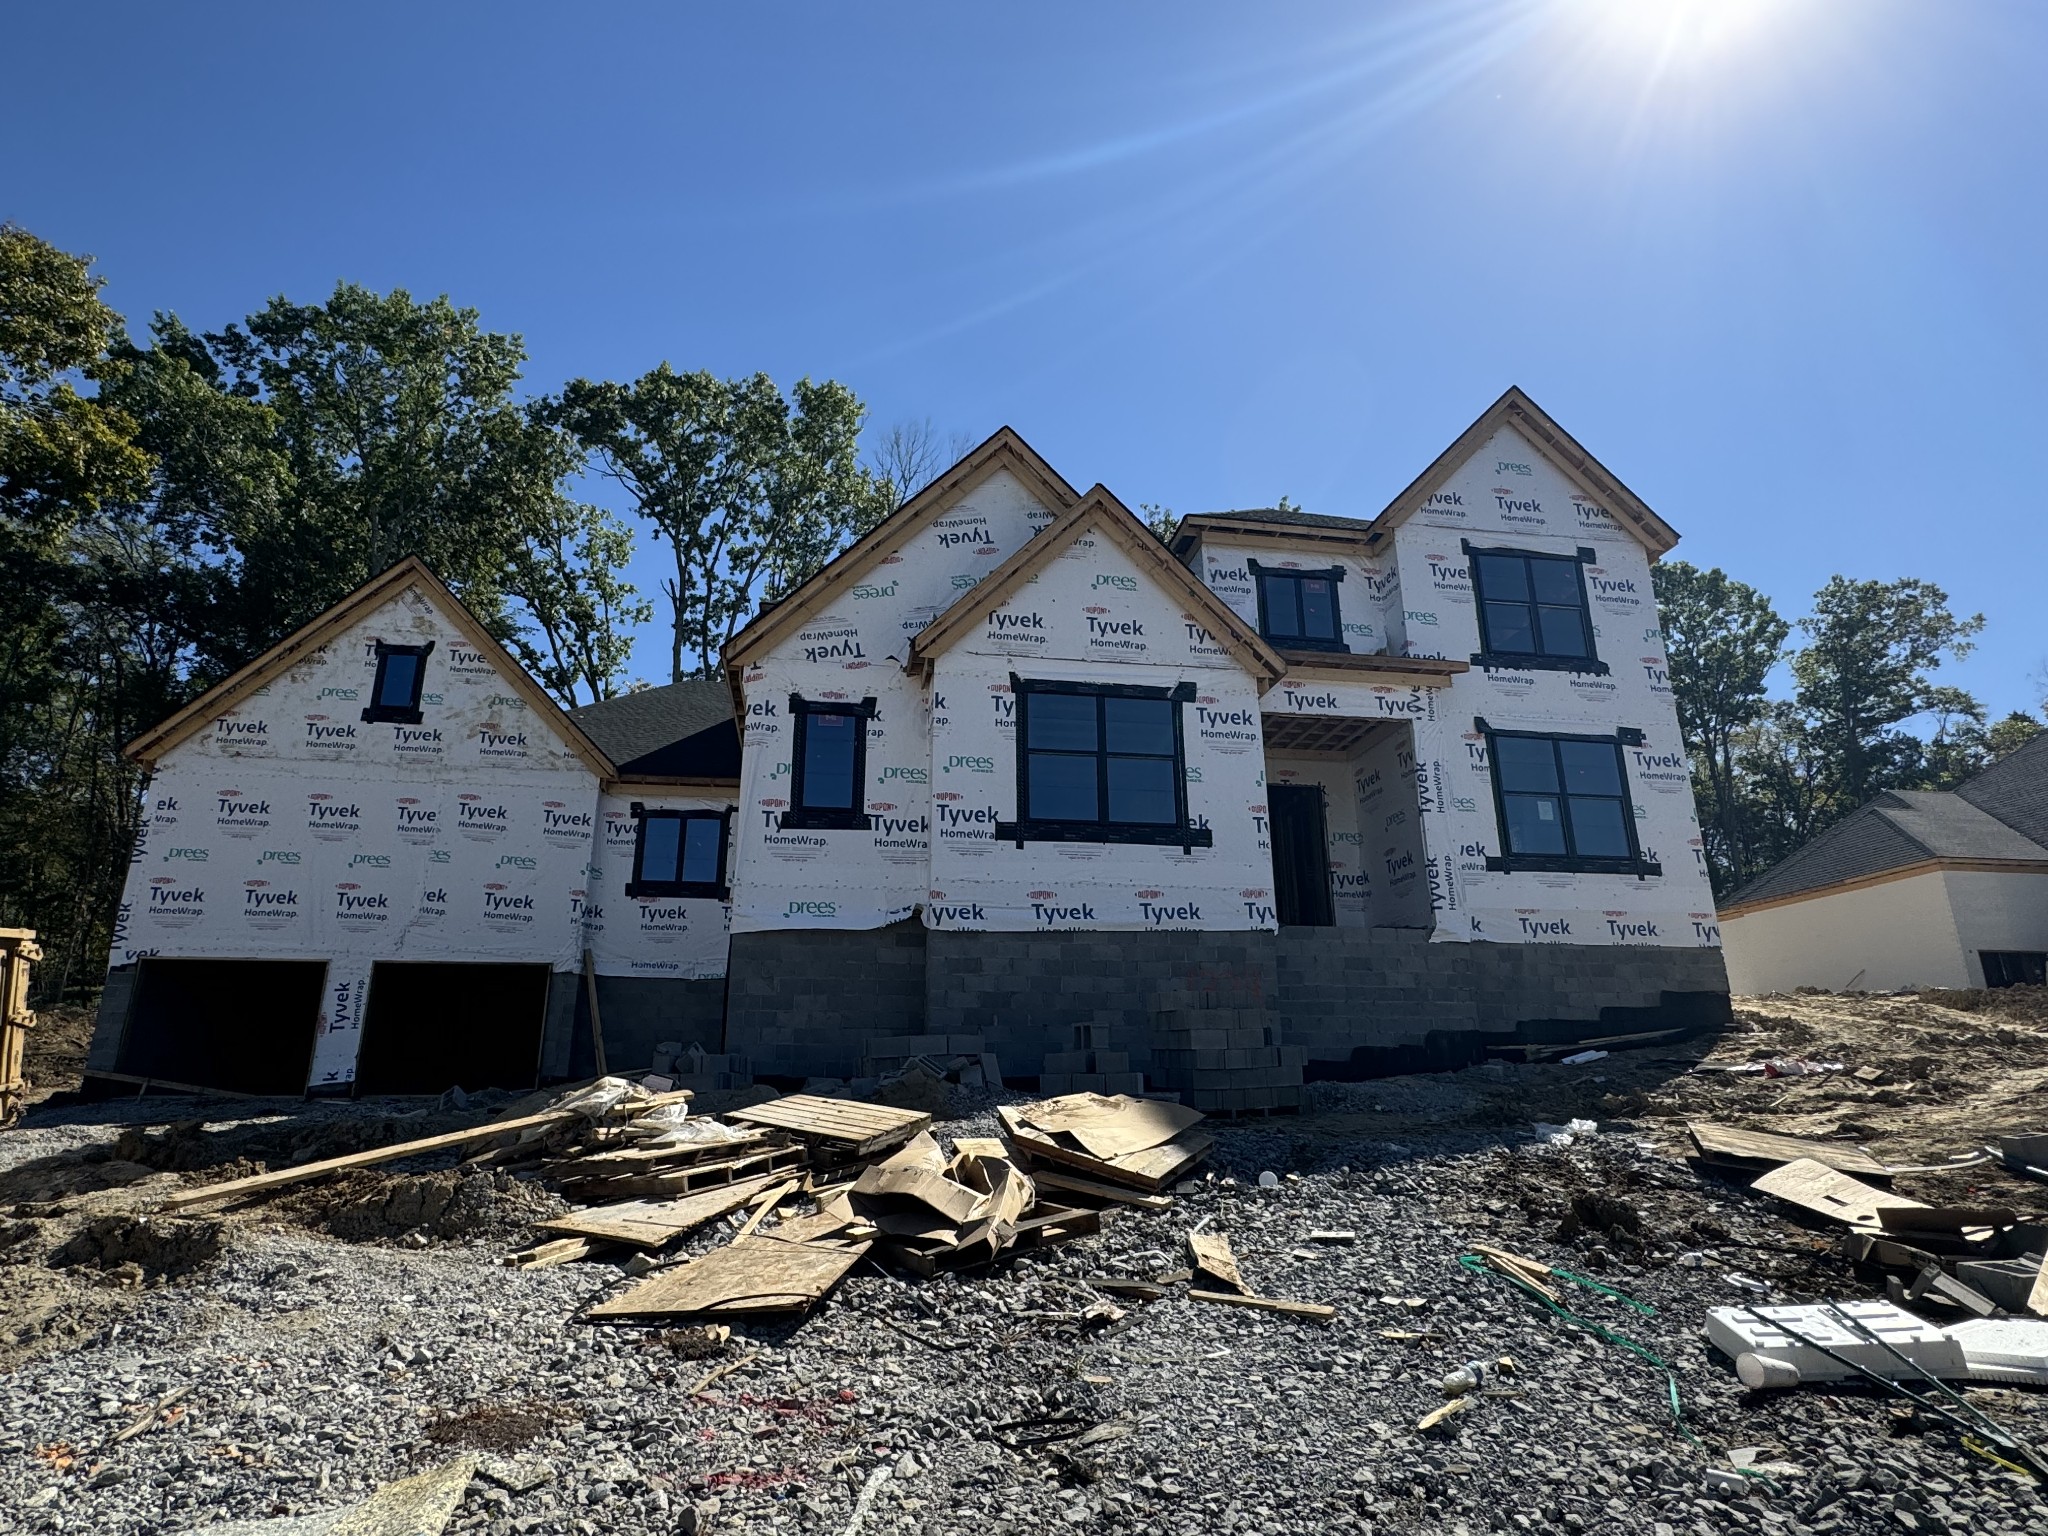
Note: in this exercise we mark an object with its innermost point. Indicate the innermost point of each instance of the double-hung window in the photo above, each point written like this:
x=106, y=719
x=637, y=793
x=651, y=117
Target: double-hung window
x=678, y=853
x=1298, y=609
x=829, y=765
x=1101, y=763
x=1532, y=610
x=395, y=691
x=1563, y=803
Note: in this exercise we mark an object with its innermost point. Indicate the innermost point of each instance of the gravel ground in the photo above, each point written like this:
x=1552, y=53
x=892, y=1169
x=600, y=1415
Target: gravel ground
x=317, y=1368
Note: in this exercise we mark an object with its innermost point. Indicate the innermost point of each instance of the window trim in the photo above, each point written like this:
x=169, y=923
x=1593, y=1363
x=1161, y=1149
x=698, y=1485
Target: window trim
x=799, y=817
x=1508, y=862
x=395, y=714
x=1334, y=575
x=1029, y=829
x=1534, y=661
x=715, y=889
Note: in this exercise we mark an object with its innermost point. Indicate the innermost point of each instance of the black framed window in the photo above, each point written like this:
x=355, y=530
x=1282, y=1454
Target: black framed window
x=1101, y=763
x=1563, y=803
x=1532, y=610
x=1299, y=609
x=395, y=691
x=829, y=765
x=2014, y=967
x=678, y=853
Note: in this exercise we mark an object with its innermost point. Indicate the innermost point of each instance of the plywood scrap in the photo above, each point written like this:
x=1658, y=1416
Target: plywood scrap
x=1450, y=1410
x=1313, y=1309
x=654, y=1223
x=1214, y=1261
x=1761, y=1149
x=758, y=1275
x=1066, y=1131
x=844, y=1126
x=561, y=1250
x=1945, y=1218
x=263, y=1183
x=1814, y=1187
x=1095, y=1189
x=979, y=1146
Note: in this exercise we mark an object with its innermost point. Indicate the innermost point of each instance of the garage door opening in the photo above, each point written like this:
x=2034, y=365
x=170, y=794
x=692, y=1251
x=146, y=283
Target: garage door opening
x=432, y=1027
x=243, y=1025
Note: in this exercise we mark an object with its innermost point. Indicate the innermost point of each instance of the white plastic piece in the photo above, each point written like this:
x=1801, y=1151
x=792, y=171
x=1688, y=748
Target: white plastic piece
x=1766, y=1372
x=1269, y=1180
x=2004, y=1348
x=1927, y=1350
x=1582, y=1057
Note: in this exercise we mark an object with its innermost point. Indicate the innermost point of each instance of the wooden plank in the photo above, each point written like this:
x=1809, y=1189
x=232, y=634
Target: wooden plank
x=628, y=1160
x=1762, y=1147
x=1815, y=1187
x=1116, y=1285
x=596, y=1019
x=261, y=1183
x=563, y=1250
x=655, y=1223
x=1074, y=1184
x=758, y=1275
x=1266, y=1304
x=685, y=1181
x=766, y=1203
x=1150, y=1170
x=1213, y=1258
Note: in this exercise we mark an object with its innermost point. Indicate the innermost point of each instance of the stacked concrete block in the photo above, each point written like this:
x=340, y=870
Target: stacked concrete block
x=1217, y=1048
x=963, y=1059
x=700, y=1071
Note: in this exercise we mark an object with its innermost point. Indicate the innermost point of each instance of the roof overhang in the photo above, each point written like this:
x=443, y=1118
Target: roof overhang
x=1886, y=877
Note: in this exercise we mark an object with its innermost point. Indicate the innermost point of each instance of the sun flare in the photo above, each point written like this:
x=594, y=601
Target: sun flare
x=1672, y=35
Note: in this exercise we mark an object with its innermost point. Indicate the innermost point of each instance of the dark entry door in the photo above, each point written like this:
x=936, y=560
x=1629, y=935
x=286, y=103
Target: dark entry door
x=1301, y=855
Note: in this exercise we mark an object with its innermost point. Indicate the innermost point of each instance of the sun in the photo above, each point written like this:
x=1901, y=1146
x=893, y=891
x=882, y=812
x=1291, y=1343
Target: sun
x=1677, y=35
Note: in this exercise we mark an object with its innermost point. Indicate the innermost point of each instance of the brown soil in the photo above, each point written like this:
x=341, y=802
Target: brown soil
x=53, y=1060
x=496, y=1426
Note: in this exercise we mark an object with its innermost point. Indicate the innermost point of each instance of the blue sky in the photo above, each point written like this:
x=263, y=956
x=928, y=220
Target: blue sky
x=1777, y=262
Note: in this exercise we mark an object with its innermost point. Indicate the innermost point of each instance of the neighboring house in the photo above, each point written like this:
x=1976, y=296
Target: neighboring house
x=1383, y=791
x=379, y=854
x=1919, y=888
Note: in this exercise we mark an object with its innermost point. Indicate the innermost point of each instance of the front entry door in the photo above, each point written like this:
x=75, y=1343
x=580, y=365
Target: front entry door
x=1301, y=855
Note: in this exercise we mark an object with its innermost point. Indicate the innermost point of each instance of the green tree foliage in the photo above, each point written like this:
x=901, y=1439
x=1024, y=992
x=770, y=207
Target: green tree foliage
x=1721, y=640
x=583, y=612
x=752, y=491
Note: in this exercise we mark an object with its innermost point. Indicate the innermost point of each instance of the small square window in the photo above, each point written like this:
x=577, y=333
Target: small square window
x=1299, y=609
x=1532, y=610
x=2014, y=967
x=1563, y=804
x=395, y=691
x=678, y=853
x=828, y=772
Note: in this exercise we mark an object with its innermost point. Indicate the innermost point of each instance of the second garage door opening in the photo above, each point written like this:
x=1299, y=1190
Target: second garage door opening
x=431, y=1027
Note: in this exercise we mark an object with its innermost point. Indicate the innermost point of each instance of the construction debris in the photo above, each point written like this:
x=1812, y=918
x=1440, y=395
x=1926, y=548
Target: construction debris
x=761, y=1274
x=1731, y=1147
x=1142, y=1143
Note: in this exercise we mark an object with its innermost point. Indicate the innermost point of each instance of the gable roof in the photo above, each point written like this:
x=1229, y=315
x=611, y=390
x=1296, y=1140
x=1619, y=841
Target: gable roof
x=1281, y=525
x=1517, y=410
x=373, y=594
x=1099, y=511
x=1004, y=450
x=679, y=730
x=1899, y=831
x=2015, y=789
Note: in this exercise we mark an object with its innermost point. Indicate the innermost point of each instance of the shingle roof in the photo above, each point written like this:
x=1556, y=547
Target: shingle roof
x=2015, y=789
x=679, y=730
x=1294, y=516
x=1910, y=826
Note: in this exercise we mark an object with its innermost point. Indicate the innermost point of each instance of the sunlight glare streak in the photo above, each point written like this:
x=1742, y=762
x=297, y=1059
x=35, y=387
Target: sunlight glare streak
x=1675, y=36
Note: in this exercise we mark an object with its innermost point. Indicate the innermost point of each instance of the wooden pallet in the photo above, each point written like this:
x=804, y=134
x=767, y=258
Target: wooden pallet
x=687, y=1180
x=840, y=1127
x=661, y=1159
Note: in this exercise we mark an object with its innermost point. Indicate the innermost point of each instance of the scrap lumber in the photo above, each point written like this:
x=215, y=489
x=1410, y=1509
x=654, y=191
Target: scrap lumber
x=622, y=1161
x=1814, y=1187
x=766, y=1203
x=1731, y=1144
x=1313, y=1309
x=1213, y=1258
x=1074, y=1184
x=562, y=1250
x=655, y=1223
x=1046, y=1225
x=263, y=1183
x=1144, y=1143
x=1141, y=1290
x=688, y=1179
x=1531, y=1273
x=1945, y=1218
x=844, y=1128
x=758, y=1275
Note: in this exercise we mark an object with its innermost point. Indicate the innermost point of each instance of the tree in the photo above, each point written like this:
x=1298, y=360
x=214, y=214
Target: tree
x=909, y=456
x=2010, y=734
x=567, y=577
x=1159, y=519
x=1721, y=641
x=752, y=491
x=1864, y=672
x=396, y=421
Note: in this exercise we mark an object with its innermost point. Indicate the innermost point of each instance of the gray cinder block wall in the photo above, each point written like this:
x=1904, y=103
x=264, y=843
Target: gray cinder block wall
x=639, y=1013
x=1358, y=1002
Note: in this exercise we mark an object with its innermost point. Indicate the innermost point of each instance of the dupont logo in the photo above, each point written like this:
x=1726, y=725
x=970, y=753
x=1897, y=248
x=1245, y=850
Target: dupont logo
x=1041, y=895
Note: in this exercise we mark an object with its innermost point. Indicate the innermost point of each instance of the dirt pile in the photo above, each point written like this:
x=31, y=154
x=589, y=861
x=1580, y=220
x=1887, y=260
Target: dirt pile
x=150, y=1245
x=447, y=1205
